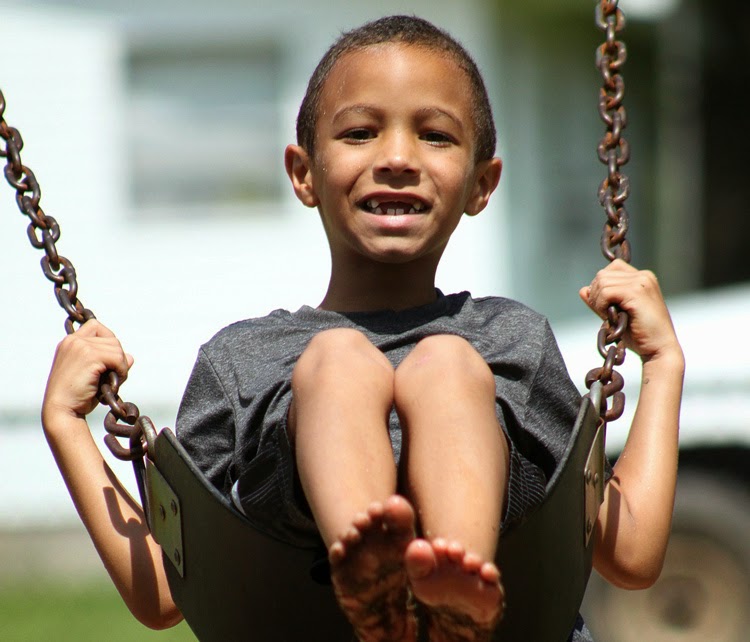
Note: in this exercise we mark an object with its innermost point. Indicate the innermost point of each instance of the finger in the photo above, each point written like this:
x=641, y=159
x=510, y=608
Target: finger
x=119, y=364
x=111, y=354
x=618, y=265
x=94, y=328
x=94, y=354
x=628, y=291
x=585, y=294
x=598, y=296
x=114, y=358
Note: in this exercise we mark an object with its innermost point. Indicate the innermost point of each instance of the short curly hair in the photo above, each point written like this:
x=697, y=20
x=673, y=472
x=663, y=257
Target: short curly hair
x=409, y=30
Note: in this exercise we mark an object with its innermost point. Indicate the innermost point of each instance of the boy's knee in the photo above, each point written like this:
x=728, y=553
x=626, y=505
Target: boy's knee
x=337, y=342
x=339, y=352
x=446, y=358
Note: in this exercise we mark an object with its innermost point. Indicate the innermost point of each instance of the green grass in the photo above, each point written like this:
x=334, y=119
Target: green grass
x=82, y=613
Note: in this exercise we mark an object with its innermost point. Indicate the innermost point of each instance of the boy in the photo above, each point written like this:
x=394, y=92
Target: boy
x=390, y=409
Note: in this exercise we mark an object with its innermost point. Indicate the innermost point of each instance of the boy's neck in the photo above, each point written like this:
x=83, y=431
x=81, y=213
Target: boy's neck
x=389, y=287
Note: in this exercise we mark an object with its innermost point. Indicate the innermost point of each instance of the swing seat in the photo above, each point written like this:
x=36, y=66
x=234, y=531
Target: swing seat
x=232, y=582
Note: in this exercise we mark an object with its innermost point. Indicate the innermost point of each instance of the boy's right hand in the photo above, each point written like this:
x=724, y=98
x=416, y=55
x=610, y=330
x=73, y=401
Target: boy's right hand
x=80, y=360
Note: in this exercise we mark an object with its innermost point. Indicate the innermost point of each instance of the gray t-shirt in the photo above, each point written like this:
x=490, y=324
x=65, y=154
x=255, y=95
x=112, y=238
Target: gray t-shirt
x=232, y=419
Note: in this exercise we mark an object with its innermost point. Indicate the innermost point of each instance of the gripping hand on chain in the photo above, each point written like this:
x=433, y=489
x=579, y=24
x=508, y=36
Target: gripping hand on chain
x=650, y=332
x=80, y=361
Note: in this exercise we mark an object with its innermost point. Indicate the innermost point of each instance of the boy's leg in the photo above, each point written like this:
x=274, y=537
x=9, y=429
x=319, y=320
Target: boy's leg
x=342, y=394
x=342, y=389
x=457, y=475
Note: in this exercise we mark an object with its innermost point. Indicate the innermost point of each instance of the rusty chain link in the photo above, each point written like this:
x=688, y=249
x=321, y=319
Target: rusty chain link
x=44, y=232
x=614, y=152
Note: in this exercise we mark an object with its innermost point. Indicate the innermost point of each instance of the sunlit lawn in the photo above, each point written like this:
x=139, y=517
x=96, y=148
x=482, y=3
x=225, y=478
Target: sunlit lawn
x=81, y=613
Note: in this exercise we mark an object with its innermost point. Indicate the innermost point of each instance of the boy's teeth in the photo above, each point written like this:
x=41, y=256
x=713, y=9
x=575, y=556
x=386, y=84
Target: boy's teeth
x=373, y=205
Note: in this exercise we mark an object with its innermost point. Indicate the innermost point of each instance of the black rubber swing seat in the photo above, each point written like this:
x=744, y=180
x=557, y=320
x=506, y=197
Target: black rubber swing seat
x=232, y=582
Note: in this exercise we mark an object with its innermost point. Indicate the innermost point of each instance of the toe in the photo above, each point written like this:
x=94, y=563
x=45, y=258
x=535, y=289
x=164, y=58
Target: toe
x=472, y=563
x=419, y=560
x=336, y=553
x=399, y=514
x=490, y=573
x=361, y=522
x=455, y=552
x=375, y=511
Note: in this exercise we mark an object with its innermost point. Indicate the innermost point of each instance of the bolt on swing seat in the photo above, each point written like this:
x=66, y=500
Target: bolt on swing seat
x=233, y=582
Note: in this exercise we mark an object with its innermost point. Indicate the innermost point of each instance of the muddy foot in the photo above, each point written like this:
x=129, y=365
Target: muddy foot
x=367, y=570
x=462, y=595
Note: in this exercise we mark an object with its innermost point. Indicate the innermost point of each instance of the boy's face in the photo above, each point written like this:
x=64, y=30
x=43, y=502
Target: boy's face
x=394, y=166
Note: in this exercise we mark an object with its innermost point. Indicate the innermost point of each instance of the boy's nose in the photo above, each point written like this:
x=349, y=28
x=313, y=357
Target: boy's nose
x=398, y=156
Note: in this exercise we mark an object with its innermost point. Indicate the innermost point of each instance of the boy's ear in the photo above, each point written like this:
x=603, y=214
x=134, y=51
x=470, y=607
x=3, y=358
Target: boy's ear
x=298, y=168
x=486, y=180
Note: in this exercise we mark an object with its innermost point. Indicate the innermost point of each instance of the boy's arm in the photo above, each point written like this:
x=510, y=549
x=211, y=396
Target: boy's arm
x=635, y=519
x=115, y=522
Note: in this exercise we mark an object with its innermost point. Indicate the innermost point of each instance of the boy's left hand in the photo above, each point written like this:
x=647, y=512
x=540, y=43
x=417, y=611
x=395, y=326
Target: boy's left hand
x=650, y=332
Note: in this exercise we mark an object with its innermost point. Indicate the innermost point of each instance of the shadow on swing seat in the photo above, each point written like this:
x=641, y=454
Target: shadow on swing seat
x=232, y=582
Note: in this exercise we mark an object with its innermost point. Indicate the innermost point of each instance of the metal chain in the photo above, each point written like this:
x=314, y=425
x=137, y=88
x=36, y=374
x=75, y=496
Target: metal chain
x=614, y=152
x=44, y=232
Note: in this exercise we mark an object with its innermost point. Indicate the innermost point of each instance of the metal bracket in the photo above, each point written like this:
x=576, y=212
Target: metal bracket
x=165, y=517
x=593, y=475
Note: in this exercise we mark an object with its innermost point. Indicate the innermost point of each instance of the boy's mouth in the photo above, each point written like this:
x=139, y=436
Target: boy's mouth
x=388, y=207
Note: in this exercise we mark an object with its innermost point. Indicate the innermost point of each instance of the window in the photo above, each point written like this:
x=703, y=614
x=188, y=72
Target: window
x=204, y=128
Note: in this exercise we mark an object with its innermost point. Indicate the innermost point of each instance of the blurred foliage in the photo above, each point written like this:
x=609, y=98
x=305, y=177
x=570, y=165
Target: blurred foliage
x=90, y=612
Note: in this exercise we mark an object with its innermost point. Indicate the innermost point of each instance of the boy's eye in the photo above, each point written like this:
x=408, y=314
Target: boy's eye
x=360, y=133
x=437, y=138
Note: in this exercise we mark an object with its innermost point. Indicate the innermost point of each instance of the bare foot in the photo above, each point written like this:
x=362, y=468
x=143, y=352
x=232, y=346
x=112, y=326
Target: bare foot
x=462, y=595
x=367, y=570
